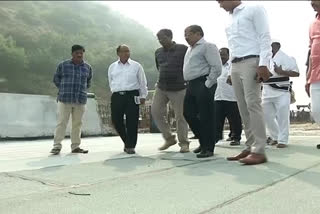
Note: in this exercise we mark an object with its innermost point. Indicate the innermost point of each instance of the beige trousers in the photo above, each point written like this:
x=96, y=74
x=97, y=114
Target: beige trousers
x=159, y=113
x=248, y=94
x=64, y=111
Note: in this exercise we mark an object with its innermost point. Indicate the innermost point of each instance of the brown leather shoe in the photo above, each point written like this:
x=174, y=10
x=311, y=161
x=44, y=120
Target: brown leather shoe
x=281, y=146
x=254, y=159
x=243, y=154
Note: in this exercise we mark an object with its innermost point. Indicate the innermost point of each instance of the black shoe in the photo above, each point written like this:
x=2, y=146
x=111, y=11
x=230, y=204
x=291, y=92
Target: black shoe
x=229, y=139
x=80, y=151
x=205, y=154
x=235, y=143
x=129, y=151
x=193, y=138
x=197, y=150
x=55, y=151
x=318, y=146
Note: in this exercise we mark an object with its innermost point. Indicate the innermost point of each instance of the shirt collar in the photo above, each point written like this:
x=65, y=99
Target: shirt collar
x=128, y=62
x=201, y=41
x=71, y=62
x=240, y=7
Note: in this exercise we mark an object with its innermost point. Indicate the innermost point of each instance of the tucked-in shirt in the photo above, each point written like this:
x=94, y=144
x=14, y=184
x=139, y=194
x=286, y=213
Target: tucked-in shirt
x=288, y=64
x=73, y=80
x=127, y=77
x=200, y=60
x=314, y=75
x=169, y=63
x=224, y=91
x=248, y=33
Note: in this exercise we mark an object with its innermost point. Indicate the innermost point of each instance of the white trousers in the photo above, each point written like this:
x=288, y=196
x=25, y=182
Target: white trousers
x=315, y=101
x=277, y=116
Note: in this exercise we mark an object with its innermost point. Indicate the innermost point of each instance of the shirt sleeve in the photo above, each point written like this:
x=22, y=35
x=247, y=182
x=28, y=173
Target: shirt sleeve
x=214, y=60
x=58, y=76
x=143, y=82
x=110, y=77
x=89, y=79
x=260, y=20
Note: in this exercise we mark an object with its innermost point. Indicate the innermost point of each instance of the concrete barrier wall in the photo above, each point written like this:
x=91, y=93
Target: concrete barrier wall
x=23, y=116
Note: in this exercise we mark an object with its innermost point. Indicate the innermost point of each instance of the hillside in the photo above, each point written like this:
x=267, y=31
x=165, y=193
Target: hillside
x=36, y=36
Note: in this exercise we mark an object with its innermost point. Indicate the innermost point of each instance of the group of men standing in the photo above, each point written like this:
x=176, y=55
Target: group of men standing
x=203, y=85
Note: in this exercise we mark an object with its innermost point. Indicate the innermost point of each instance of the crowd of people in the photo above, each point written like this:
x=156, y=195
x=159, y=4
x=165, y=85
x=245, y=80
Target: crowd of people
x=248, y=83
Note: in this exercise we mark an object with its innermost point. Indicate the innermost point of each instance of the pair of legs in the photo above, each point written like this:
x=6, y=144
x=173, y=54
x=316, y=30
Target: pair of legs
x=199, y=111
x=277, y=116
x=65, y=110
x=315, y=103
x=248, y=94
x=159, y=113
x=123, y=104
x=228, y=109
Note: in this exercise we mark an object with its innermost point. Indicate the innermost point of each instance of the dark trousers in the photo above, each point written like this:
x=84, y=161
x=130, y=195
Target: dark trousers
x=199, y=112
x=227, y=109
x=123, y=104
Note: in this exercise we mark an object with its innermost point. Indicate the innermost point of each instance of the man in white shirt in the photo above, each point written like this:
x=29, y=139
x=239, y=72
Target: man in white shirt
x=276, y=97
x=250, y=44
x=226, y=103
x=202, y=66
x=128, y=85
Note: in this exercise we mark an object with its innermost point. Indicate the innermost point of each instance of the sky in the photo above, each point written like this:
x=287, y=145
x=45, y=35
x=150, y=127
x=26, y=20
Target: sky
x=289, y=22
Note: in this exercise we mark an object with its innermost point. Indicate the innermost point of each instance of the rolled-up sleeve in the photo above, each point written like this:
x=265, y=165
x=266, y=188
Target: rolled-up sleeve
x=261, y=24
x=143, y=82
x=214, y=60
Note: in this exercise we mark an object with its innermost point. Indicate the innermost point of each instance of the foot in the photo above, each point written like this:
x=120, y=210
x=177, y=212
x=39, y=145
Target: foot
x=229, y=139
x=243, y=154
x=184, y=148
x=80, y=151
x=129, y=151
x=318, y=146
x=205, y=154
x=193, y=138
x=281, y=146
x=55, y=151
x=235, y=143
x=170, y=142
x=254, y=159
x=197, y=150
x=271, y=142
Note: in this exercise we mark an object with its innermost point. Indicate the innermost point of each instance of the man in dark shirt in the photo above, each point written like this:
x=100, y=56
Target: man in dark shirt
x=72, y=78
x=170, y=87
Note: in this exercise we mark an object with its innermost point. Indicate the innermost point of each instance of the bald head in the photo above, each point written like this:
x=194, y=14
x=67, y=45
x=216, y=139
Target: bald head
x=123, y=52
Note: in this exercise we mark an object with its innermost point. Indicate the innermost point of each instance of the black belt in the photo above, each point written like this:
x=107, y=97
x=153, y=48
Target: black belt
x=235, y=60
x=278, y=79
x=133, y=92
x=283, y=88
x=202, y=78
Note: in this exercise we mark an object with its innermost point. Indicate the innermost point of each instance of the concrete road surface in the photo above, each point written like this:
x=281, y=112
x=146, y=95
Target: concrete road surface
x=151, y=182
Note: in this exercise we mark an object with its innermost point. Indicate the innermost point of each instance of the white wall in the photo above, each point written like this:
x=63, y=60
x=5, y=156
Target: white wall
x=23, y=115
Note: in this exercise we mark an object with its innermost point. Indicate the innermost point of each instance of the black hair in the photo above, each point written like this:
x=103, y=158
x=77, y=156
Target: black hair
x=196, y=29
x=76, y=48
x=166, y=32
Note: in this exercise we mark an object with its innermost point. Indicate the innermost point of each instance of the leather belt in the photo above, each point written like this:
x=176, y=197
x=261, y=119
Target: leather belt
x=239, y=59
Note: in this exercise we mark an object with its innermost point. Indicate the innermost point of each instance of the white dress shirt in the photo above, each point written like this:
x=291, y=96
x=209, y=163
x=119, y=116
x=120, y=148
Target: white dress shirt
x=200, y=60
x=127, y=77
x=224, y=91
x=288, y=64
x=248, y=33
